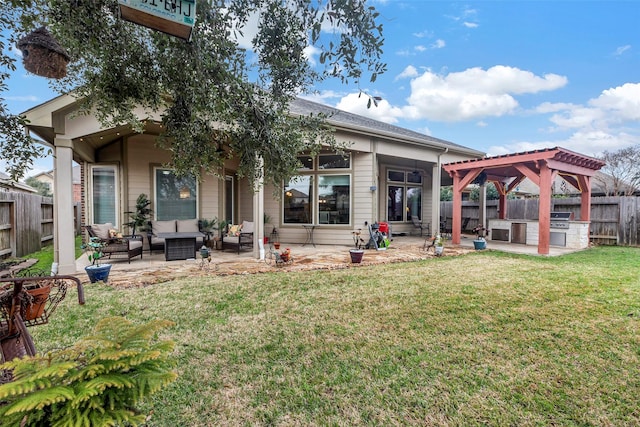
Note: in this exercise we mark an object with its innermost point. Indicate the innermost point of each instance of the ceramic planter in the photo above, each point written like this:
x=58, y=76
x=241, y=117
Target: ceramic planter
x=479, y=244
x=439, y=250
x=356, y=255
x=98, y=273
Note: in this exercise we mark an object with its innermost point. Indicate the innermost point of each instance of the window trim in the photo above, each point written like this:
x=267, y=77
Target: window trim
x=155, y=194
x=90, y=193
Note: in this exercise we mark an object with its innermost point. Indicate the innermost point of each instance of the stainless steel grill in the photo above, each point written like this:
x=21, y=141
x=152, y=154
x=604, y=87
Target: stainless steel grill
x=560, y=219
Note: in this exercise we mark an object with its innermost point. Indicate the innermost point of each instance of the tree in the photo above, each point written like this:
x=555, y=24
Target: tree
x=218, y=99
x=622, y=171
x=43, y=188
x=17, y=149
x=492, y=193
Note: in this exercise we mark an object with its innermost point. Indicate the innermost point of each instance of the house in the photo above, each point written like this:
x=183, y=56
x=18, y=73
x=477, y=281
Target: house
x=388, y=174
x=601, y=185
x=7, y=184
x=48, y=178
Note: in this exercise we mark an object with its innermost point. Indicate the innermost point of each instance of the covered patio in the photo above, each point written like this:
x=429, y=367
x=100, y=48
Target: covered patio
x=506, y=172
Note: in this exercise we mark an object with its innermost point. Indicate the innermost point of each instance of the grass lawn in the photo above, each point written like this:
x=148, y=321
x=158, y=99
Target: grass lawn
x=45, y=256
x=482, y=339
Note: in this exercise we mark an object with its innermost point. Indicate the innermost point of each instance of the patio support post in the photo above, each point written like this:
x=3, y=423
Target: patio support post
x=258, y=215
x=63, y=235
x=482, y=214
x=585, y=198
x=435, y=197
x=544, y=208
x=457, y=209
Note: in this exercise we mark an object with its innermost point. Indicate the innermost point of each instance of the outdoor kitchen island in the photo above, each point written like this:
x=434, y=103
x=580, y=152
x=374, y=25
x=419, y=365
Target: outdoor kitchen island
x=563, y=231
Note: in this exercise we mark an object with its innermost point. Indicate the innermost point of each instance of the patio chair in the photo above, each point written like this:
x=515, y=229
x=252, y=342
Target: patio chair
x=238, y=237
x=116, y=246
x=419, y=225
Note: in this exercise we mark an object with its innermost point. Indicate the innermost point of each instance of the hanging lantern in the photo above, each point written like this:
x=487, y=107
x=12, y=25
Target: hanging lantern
x=43, y=55
x=174, y=17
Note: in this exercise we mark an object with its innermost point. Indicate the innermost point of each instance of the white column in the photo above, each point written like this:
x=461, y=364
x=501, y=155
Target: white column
x=63, y=225
x=258, y=217
x=435, y=198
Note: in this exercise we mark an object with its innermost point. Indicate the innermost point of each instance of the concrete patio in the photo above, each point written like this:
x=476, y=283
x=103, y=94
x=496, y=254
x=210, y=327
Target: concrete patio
x=154, y=269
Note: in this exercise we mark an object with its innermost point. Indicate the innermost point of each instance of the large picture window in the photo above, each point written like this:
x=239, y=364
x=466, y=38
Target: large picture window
x=404, y=196
x=175, y=197
x=298, y=193
x=319, y=195
x=104, y=194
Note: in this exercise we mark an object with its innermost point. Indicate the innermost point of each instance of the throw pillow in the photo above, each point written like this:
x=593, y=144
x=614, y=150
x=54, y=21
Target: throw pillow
x=101, y=231
x=234, y=230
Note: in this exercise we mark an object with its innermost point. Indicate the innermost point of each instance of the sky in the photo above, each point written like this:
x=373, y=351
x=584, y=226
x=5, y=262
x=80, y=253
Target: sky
x=496, y=76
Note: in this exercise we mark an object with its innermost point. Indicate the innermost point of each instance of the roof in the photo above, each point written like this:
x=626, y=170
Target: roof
x=41, y=124
x=343, y=119
x=504, y=166
x=7, y=182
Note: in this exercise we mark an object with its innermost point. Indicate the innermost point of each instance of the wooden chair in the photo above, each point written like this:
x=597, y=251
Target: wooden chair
x=125, y=246
x=237, y=240
x=419, y=225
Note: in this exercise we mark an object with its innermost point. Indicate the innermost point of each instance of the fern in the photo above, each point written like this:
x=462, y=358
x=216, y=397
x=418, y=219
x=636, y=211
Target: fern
x=97, y=382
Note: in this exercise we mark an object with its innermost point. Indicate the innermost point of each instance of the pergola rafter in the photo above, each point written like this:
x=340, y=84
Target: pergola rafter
x=541, y=167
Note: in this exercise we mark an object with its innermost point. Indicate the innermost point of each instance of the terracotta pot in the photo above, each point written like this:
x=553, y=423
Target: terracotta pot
x=276, y=245
x=40, y=298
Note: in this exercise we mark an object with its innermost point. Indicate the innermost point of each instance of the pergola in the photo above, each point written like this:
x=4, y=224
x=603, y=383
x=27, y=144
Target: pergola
x=507, y=171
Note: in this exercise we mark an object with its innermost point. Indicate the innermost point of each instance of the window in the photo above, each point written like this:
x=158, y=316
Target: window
x=319, y=198
x=298, y=194
x=175, y=197
x=104, y=194
x=404, y=195
x=334, y=199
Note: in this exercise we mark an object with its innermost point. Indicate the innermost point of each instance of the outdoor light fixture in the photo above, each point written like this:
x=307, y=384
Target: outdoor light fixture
x=185, y=193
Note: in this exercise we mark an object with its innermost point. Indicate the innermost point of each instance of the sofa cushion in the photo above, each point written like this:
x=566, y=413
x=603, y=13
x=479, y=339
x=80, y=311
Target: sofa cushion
x=187, y=226
x=163, y=226
x=133, y=244
x=102, y=230
x=247, y=227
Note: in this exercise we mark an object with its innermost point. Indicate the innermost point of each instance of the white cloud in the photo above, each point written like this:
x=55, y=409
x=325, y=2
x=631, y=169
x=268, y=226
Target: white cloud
x=591, y=143
x=474, y=93
x=609, y=122
x=470, y=24
x=311, y=52
x=323, y=97
x=410, y=71
x=482, y=124
x=622, y=49
x=438, y=44
x=420, y=48
x=357, y=104
x=26, y=98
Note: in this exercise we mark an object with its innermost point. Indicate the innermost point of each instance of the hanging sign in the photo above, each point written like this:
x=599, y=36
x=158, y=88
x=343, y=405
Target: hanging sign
x=174, y=17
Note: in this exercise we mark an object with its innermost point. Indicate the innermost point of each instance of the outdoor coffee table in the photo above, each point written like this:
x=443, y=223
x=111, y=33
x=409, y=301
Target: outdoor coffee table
x=179, y=245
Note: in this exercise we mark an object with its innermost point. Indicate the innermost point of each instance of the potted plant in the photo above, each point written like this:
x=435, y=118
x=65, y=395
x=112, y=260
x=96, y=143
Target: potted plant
x=356, y=253
x=480, y=243
x=96, y=271
x=140, y=217
x=439, y=245
x=266, y=220
x=222, y=225
x=208, y=226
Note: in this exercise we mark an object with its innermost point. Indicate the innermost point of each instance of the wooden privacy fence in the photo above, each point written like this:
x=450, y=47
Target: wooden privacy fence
x=26, y=223
x=614, y=220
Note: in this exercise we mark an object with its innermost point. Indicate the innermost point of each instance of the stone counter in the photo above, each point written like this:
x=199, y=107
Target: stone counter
x=522, y=231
